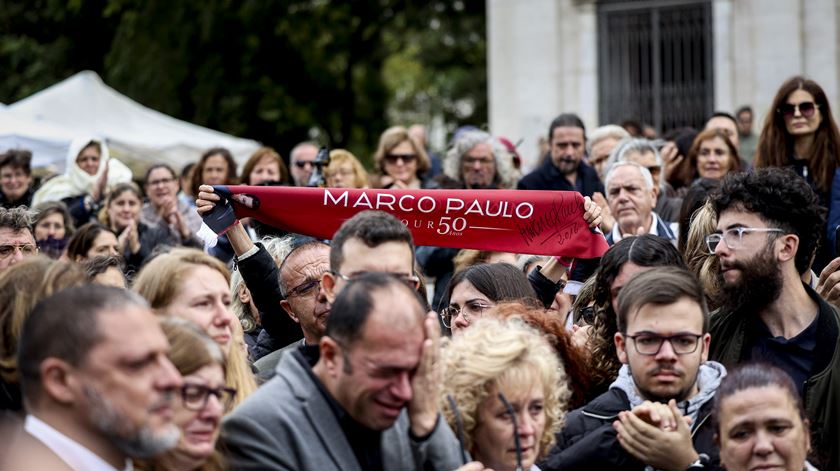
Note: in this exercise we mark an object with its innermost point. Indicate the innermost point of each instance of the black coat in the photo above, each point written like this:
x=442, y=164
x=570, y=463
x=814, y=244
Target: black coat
x=25, y=200
x=588, y=440
x=548, y=177
x=261, y=276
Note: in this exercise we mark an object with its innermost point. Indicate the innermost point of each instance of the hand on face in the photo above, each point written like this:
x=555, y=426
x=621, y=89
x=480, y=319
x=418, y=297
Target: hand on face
x=423, y=408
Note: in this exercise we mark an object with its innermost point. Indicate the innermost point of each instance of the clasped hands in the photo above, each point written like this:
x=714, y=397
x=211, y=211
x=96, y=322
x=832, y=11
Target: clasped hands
x=657, y=434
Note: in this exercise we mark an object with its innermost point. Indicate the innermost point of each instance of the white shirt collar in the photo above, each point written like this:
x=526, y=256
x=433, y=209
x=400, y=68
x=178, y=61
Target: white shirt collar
x=75, y=455
x=654, y=228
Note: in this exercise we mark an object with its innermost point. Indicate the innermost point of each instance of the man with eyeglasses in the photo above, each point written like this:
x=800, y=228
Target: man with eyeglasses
x=769, y=226
x=369, y=401
x=301, y=158
x=304, y=301
x=657, y=412
x=16, y=238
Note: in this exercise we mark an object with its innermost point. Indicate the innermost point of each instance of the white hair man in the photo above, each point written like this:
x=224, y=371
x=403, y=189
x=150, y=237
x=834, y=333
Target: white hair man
x=631, y=196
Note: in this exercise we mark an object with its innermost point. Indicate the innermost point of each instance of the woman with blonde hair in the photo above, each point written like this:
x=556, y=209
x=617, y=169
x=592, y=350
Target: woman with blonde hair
x=700, y=260
x=190, y=284
x=400, y=161
x=504, y=394
x=204, y=399
x=345, y=171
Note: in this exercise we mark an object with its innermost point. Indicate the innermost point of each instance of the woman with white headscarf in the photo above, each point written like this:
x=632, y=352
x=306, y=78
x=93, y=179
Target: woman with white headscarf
x=88, y=174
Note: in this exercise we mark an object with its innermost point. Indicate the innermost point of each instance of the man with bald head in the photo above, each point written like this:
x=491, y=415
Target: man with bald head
x=368, y=402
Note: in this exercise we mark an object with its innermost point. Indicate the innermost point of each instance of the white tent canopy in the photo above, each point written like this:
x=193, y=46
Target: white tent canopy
x=47, y=142
x=137, y=135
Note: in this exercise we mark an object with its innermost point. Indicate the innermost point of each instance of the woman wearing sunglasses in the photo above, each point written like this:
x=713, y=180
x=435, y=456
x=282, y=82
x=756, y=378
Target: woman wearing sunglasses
x=800, y=132
x=504, y=394
x=203, y=400
x=401, y=162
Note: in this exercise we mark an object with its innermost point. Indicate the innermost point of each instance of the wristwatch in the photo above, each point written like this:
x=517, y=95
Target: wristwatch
x=701, y=463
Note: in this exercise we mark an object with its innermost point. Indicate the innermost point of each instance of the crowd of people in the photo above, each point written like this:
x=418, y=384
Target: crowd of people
x=706, y=337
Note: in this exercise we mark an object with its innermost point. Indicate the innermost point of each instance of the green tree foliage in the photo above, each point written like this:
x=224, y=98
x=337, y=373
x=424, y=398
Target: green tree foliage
x=279, y=72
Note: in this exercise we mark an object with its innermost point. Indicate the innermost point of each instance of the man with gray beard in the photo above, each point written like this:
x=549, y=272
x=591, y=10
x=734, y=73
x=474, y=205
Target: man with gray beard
x=97, y=383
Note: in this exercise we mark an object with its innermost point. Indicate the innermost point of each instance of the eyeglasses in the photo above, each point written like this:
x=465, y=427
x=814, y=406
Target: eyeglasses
x=6, y=251
x=469, y=161
x=302, y=163
x=734, y=238
x=650, y=344
x=195, y=396
x=806, y=108
x=162, y=181
x=406, y=158
x=306, y=288
x=409, y=280
x=471, y=309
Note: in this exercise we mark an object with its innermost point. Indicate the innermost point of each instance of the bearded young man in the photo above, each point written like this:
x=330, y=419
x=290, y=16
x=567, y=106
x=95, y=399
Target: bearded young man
x=769, y=226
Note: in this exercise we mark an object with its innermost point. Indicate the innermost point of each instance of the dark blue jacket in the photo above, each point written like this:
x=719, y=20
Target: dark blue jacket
x=833, y=212
x=548, y=177
x=662, y=229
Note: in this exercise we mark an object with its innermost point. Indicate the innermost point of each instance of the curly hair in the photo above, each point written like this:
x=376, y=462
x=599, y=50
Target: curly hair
x=452, y=165
x=776, y=145
x=278, y=248
x=502, y=354
x=646, y=251
x=17, y=219
x=703, y=264
x=781, y=199
x=554, y=330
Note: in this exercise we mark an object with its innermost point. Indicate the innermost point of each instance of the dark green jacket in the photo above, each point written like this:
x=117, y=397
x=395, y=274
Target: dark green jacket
x=822, y=389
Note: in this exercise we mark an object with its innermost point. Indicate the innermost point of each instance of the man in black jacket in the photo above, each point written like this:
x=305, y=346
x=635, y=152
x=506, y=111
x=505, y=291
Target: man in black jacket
x=769, y=226
x=656, y=413
x=565, y=169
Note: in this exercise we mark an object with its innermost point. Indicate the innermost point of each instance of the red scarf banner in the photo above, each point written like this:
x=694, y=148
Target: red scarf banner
x=517, y=221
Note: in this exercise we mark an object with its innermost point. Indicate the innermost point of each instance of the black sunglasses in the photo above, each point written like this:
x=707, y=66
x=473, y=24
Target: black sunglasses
x=806, y=108
x=407, y=158
x=302, y=163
